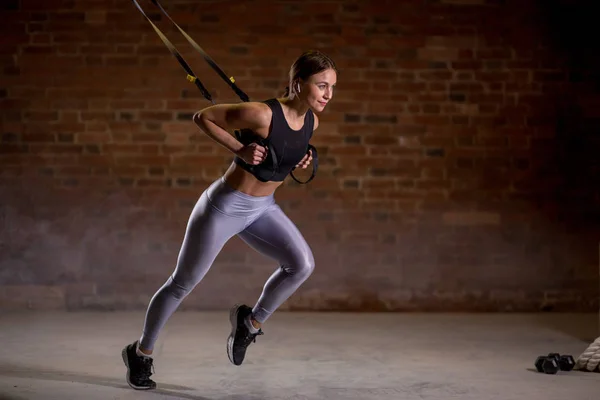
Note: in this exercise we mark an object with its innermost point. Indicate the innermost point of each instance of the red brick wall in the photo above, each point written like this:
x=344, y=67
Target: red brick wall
x=458, y=159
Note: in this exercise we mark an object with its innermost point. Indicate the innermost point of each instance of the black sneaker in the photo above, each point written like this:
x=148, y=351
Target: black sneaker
x=240, y=337
x=139, y=368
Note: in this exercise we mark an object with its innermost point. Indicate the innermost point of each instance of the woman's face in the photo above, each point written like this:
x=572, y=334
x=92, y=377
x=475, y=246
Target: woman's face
x=317, y=90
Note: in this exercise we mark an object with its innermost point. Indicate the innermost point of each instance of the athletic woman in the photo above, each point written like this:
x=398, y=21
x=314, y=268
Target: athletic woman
x=272, y=140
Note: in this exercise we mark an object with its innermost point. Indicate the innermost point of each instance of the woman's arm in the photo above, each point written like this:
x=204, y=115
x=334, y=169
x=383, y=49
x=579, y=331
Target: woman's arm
x=216, y=120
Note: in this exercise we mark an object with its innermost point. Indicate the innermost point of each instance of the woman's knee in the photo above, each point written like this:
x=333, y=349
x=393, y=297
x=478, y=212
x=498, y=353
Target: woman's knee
x=307, y=268
x=302, y=267
x=177, y=290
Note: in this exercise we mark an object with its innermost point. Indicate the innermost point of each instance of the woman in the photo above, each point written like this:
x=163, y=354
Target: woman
x=242, y=203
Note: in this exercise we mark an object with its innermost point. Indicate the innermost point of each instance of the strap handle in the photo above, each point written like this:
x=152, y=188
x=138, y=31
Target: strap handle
x=315, y=164
x=247, y=136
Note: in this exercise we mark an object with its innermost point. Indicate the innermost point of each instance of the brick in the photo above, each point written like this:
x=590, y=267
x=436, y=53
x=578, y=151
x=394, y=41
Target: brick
x=465, y=2
x=42, y=116
x=438, y=54
x=39, y=137
x=471, y=218
x=95, y=17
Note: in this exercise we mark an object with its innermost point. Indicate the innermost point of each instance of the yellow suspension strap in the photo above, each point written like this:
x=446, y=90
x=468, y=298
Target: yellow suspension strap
x=229, y=80
x=190, y=74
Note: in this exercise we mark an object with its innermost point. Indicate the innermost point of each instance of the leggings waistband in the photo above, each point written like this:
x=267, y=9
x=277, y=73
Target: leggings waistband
x=235, y=203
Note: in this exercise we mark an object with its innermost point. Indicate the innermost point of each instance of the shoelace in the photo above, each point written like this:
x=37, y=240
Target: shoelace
x=251, y=337
x=146, y=368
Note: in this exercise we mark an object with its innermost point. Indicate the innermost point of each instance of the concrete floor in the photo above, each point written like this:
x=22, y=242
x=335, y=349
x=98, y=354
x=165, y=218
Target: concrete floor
x=300, y=357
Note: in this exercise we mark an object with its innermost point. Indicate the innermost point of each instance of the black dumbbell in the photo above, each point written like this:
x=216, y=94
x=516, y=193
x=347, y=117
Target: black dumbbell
x=566, y=362
x=546, y=364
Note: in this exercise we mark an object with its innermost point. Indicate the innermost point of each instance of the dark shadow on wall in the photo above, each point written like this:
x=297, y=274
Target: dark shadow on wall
x=571, y=26
x=570, y=30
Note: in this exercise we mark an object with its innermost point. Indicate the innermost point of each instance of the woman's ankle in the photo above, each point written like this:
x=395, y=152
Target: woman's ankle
x=143, y=352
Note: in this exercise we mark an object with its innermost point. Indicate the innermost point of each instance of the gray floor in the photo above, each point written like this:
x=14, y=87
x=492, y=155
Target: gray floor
x=300, y=357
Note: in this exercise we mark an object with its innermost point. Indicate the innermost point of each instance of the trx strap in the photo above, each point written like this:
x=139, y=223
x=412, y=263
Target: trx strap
x=229, y=80
x=191, y=76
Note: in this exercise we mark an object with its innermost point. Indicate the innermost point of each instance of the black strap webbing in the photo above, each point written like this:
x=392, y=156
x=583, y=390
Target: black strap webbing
x=229, y=80
x=191, y=76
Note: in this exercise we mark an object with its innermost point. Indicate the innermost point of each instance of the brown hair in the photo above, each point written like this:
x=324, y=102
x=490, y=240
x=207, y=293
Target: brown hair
x=309, y=63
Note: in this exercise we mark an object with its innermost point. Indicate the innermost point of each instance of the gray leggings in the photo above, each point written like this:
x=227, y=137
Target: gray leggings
x=220, y=213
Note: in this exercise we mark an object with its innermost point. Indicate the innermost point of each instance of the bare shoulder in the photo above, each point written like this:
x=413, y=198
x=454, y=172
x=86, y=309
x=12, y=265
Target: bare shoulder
x=250, y=115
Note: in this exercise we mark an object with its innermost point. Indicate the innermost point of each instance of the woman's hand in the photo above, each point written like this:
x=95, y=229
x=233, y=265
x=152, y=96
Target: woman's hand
x=252, y=154
x=305, y=160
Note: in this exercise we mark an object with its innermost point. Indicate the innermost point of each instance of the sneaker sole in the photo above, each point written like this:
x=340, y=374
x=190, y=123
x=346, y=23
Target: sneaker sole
x=126, y=361
x=233, y=319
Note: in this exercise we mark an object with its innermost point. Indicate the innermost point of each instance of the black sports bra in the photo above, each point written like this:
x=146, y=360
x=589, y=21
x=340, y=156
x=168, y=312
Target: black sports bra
x=285, y=146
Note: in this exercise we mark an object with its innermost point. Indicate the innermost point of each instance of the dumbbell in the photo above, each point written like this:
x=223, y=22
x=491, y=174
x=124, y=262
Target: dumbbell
x=547, y=365
x=554, y=362
x=566, y=362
